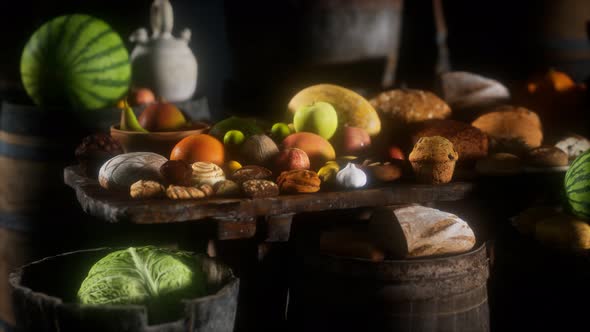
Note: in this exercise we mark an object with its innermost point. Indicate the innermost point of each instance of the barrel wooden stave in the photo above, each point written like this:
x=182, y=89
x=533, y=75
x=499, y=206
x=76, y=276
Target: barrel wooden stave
x=439, y=294
x=45, y=293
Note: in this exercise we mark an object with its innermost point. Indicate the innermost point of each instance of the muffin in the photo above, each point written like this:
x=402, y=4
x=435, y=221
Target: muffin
x=400, y=107
x=511, y=129
x=470, y=142
x=433, y=160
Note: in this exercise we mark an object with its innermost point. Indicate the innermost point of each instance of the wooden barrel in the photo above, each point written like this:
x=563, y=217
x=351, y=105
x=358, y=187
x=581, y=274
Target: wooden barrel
x=45, y=300
x=537, y=288
x=561, y=35
x=35, y=205
x=438, y=294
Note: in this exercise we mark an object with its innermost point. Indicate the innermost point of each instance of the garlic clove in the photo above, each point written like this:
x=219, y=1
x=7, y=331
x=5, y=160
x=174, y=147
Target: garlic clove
x=351, y=177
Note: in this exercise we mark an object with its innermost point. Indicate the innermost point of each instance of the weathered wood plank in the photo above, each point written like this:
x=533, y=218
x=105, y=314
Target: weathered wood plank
x=119, y=207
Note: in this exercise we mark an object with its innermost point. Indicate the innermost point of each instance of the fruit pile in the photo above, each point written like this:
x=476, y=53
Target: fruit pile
x=333, y=139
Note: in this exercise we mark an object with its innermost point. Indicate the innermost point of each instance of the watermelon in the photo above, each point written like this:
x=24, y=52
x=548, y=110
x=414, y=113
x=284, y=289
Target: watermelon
x=577, y=185
x=75, y=61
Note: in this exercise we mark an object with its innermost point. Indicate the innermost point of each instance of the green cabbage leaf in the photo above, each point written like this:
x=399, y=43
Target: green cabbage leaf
x=143, y=275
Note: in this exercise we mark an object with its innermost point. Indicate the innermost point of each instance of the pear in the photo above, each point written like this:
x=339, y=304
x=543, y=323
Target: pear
x=129, y=120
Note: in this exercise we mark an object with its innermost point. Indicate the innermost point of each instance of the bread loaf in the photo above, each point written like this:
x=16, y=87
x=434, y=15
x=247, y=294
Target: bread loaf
x=418, y=231
x=121, y=171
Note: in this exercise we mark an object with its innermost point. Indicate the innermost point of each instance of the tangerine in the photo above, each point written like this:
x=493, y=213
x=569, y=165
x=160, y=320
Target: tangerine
x=199, y=147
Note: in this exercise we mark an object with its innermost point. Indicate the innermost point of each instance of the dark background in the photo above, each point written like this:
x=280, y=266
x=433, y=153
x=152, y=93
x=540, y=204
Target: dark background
x=502, y=39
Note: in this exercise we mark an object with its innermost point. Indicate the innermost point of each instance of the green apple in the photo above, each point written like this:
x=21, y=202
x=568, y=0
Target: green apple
x=233, y=138
x=279, y=131
x=319, y=118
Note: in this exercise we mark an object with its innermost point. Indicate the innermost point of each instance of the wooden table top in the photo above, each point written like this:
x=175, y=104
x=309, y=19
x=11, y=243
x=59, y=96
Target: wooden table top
x=238, y=213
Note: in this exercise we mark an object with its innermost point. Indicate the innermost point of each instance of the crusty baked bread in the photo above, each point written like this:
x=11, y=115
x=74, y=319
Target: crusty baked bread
x=464, y=90
x=418, y=231
x=404, y=106
x=511, y=129
x=121, y=171
x=470, y=142
x=547, y=156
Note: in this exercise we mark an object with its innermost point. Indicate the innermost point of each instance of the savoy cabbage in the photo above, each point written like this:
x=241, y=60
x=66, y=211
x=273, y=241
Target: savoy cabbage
x=143, y=275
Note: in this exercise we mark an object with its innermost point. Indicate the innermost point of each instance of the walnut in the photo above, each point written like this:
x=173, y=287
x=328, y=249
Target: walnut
x=178, y=192
x=146, y=189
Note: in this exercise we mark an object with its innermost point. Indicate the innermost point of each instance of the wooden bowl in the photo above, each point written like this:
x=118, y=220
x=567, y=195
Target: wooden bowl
x=161, y=142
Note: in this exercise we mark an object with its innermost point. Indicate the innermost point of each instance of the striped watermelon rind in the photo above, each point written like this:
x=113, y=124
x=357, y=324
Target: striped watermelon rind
x=577, y=186
x=75, y=61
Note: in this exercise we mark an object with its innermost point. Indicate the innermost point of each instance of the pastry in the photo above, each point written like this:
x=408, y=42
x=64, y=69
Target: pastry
x=511, y=129
x=547, y=156
x=206, y=173
x=499, y=164
x=433, y=160
x=406, y=106
x=121, y=171
x=226, y=188
x=94, y=151
x=260, y=188
x=573, y=145
x=251, y=172
x=299, y=181
x=180, y=192
x=470, y=142
x=146, y=189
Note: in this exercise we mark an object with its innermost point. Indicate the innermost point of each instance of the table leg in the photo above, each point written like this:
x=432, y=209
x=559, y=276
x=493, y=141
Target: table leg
x=262, y=264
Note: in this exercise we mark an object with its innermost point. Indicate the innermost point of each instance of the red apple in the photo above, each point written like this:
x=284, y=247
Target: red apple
x=162, y=116
x=290, y=159
x=353, y=141
x=141, y=96
x=395, y=152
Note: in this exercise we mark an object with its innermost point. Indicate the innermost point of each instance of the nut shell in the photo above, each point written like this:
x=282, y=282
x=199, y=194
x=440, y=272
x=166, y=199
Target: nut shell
x=259, y=150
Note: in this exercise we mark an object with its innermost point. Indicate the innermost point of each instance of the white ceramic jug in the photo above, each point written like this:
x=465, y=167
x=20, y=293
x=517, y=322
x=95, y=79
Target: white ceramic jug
x=163, y=63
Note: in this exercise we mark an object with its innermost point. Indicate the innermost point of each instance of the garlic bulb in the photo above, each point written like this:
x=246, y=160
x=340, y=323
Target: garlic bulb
x=351, y=177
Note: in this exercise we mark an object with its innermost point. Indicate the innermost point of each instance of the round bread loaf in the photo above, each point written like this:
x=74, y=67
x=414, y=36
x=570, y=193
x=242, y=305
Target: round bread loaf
x=404, y=106
x=511, y=129
x=470, y=142
x=547, y=156
x=121, y=171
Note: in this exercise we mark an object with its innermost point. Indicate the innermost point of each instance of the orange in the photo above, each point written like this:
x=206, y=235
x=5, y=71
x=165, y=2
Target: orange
x=199, y=147
x=552, y=80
